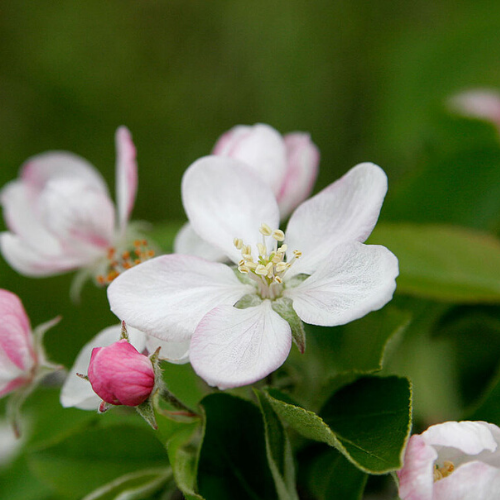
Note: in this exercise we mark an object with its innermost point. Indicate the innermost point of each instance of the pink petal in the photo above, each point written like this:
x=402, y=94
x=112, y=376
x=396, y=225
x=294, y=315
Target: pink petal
x=224, y=200
x=354, y=280
x=470, y=481
x=416, y=477
x=261, y=147
x=126, y=175
x=187, y=242
x=233, y=347
x=78, y=392
x=301, y=173
x=167, y=297
x=483, y=104
x=346, y=210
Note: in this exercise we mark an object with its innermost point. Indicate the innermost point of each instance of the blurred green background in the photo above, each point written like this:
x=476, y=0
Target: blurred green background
x=368, y=80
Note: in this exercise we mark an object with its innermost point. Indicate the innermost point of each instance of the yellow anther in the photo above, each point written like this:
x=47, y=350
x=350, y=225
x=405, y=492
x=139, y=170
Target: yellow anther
x=283, y=248
x=444, y=471
x=242, y=262
x=277, y=259
x=282, y=266
x=261, y=270
x=262, y=249
x=278, y=280
x=297, y=254
x=251, y=264
x=278, y=235
x=238, y=243
x=243, y=269
x=265, y=230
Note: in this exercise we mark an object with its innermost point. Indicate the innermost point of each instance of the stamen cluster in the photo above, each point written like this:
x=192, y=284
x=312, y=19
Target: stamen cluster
x=270, y=266
x=118, y=263
x=444, y=471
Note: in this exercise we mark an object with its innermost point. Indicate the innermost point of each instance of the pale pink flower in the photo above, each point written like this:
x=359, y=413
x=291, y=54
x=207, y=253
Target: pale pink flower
x=120, y=375
x=60, y=215
x=77, y=392
x=483, y=104
x=288, y=164
x=452, y=461
x=320, y=266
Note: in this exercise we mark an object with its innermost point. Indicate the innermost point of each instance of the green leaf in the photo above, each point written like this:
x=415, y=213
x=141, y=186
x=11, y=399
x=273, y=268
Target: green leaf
x=488, y=408
x=279, y=451
x=444, y=263
x=333, y=477
x=368, y=421
x=284, y=307
x=233, y=460
x=133, y=486
x=88, y=459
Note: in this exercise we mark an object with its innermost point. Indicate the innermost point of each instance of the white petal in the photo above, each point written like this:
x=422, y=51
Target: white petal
x=28, y=262
x=346, y=210
x=233, y=347
x=469, y=437
x=471, y=481
x=187, y=242
x=78, y=392
x=80, y=216
x=301, y=172
x=166, y=297
x=354, y=280
x=41, y=169
x=483, y=104
x=260, y=147
x=126, y=175
x=174, y=352
x=22, y=217
x=224, y=200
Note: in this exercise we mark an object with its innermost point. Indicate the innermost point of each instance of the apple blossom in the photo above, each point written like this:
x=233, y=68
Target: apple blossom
x=120, y=374
x=483, y=104
x=60, y=216
x=320, y=267
x=288, y=164
x=78, y=393
x=452, y=461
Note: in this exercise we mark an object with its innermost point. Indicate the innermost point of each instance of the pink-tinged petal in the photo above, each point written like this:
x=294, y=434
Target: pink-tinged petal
x=469, y=437
x=22, y=217
x=79, y=215
x=224, y=199
x=233, y=347
x=174, y=352
x=77, y=392
x=483, y=104
x=416, y=477
x=41, y=169
x=352, y=281
x=346, y=210
x=261, y=147
x=28, y=262
x=301, y=172
x=187, y=242
x=16, y=341
x=166, y=297
x=126, y=175
x=470, y=481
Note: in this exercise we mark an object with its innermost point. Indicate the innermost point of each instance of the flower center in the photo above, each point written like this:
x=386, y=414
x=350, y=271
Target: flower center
x=444, y=471
x=270, y=266
x=117, y=263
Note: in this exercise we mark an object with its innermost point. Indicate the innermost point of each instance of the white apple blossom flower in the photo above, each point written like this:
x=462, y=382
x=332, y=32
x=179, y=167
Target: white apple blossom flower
x=452, y=461
x=77, y=392
x=320, y=266
x=288, y=164
x=60, y=216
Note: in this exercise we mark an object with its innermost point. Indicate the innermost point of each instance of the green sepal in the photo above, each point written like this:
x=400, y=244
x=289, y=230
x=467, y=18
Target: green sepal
x=296, y=280
x=146, y=411
x=284, y=307
x=249, y=300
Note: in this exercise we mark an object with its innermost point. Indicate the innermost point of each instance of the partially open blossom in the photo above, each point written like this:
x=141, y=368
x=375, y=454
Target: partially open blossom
x=77, y=392
x=288, y=164
x=18, y=359
x=121, y=375
x=483, y=104
x=452, y=461
x=60, y=215
x=318, y=271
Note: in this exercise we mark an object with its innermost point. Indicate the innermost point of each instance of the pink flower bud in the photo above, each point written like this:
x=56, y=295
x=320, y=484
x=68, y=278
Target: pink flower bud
x=17, y=354
x=121, y=375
